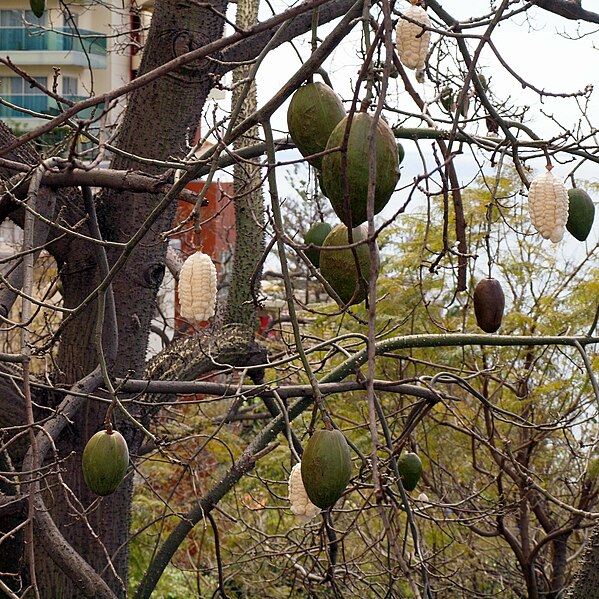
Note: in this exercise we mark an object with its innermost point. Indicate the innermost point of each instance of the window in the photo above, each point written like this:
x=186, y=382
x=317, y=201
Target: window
x=19, y=92
x=69, y=86
x=16, y=85
x=19, y=31
x=71, y=19
x=20, y=18
x=70, y=35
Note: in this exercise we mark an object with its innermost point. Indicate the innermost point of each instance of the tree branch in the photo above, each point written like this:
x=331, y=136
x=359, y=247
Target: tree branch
x=569, y=9
x=224, y=390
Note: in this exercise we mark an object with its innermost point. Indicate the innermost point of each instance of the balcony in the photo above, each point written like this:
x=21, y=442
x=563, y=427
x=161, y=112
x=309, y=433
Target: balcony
x=60, y=46
x=41, y=104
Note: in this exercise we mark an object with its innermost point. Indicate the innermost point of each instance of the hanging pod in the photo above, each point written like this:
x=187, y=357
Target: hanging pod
x=489, y=303
x=313, y=113
x=338, y=266
x=105, y=461
x=581, y=213
x=356, y=171
x=548, y=205
x=197, y=287
x=409, y=467
x=412, y=41
x=316, y=235
x=326, y=467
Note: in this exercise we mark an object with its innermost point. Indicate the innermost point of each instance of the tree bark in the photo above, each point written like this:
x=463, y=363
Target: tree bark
x=249, y=202
x=586, y=581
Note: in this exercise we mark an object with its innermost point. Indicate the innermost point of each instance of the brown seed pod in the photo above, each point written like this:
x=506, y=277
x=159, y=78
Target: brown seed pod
x=489, y=302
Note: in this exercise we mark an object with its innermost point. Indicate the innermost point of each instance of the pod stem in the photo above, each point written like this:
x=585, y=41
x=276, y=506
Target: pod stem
x=314, y=40
x=549, y=164
x=108, y=418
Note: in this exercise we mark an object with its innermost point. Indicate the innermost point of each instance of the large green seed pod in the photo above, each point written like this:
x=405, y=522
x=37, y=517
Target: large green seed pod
x=326, y=467
x=338, y=267
x=105, y=461
x=316, y=235
x=313, y=113
x=357, y=169
x=489, y=303
x=581, y=213
x=410, y=470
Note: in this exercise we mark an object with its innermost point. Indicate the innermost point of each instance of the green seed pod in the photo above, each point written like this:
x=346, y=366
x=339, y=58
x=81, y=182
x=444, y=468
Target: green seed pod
x=313, y=113
x=338, y=267
x=401, y=153
x=581, y=213
x=326, y=467
x=316, y=235
x=38, y=7
x=105, y=461
x=410, y=470
x=357, y=168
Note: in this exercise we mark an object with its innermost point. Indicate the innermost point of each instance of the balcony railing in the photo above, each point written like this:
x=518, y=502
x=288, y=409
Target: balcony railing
x=41, y=104
x=63, y=39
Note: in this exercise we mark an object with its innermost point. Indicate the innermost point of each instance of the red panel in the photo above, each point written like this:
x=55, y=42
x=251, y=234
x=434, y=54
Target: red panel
x=216, y=236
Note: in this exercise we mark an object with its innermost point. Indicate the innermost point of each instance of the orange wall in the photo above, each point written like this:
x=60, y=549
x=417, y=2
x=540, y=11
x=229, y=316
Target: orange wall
x=216, y=236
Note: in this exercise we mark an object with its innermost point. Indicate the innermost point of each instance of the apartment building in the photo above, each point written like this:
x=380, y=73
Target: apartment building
x=76, y=48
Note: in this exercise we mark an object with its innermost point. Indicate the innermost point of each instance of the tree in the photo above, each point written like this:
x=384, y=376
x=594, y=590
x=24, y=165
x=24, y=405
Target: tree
x=66, y=379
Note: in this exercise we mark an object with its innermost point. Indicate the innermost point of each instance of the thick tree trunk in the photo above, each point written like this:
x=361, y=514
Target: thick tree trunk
x=586, y=582
x=151, y=128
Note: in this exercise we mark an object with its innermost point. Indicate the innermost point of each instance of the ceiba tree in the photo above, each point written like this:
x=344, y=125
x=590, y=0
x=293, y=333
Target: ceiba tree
x=111, y=260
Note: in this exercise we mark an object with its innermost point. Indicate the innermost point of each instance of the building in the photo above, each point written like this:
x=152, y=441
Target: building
x=76, y=49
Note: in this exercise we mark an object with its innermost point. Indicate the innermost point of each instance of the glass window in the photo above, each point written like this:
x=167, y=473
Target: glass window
x=22, y=30
x=18, y=18
x=16, y=85
x=10, y=86
x=69, y=86
x=11, y=18
x=31, y=18
x=18, y=91
x=71, y=19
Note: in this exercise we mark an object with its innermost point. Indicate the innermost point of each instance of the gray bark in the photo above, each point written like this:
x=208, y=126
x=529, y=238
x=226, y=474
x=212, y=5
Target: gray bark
x=586, y=581
x=249, y=203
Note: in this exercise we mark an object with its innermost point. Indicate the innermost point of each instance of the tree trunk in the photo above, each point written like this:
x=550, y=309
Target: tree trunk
x=586, y=581
x=153, y=129
x=558, y=562
x=249, y=202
